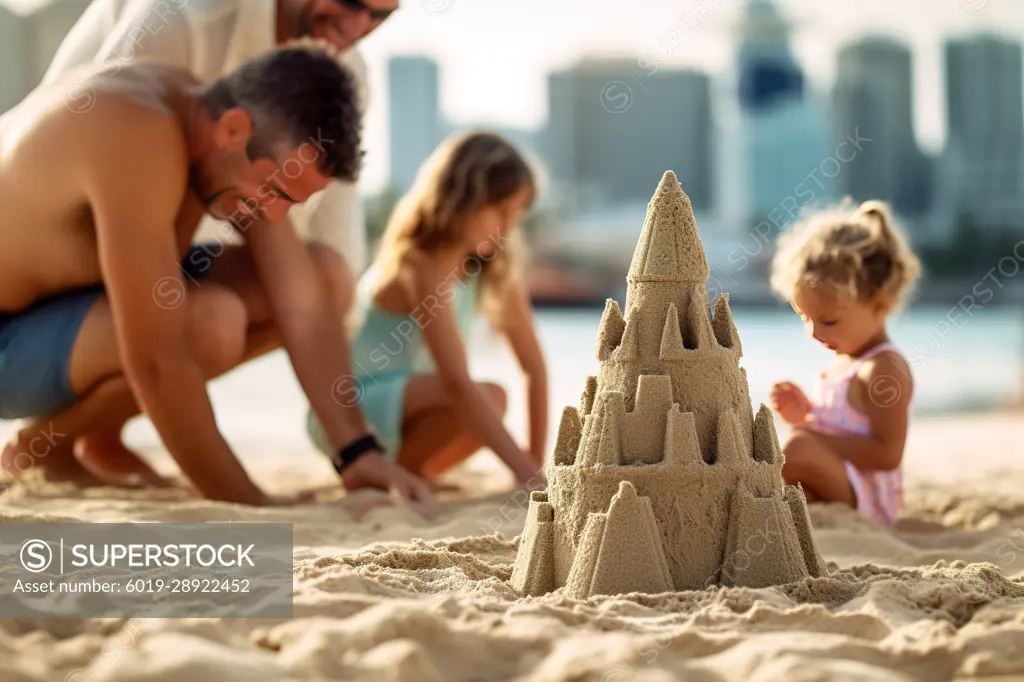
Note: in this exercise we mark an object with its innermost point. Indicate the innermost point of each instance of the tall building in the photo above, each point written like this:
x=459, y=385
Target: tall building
x=790, y=162
x=984, y=159
x=769, y=74
x=414, y=117
x=611, y=135
x=784, y=132
x=873, y=101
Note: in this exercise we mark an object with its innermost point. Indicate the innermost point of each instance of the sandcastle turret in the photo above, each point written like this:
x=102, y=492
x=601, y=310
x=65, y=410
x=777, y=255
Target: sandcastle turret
x=663, y=478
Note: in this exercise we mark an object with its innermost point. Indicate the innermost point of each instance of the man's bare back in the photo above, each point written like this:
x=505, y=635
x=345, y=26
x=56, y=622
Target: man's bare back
x=48, y=242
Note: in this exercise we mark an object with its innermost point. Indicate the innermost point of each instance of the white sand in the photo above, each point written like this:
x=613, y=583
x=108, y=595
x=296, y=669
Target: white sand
x=390, y=597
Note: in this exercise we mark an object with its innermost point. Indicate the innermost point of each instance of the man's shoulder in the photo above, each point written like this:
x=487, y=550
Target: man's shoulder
x=353, y=58
x=122, y=127
x=128, y=115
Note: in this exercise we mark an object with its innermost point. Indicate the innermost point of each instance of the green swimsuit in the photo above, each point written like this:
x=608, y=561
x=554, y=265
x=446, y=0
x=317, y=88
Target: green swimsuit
x=387, y=350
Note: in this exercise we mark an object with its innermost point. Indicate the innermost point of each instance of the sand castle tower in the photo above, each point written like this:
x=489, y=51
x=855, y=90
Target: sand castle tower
x=663, y=479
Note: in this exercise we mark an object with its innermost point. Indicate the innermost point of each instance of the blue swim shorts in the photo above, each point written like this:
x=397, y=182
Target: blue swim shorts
x=36, y=344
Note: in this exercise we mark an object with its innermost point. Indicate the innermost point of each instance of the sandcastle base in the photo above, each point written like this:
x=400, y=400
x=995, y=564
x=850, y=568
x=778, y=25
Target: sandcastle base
x=622, y=550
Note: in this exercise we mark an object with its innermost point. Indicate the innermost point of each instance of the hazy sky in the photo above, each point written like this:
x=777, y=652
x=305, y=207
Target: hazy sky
x=494, y=54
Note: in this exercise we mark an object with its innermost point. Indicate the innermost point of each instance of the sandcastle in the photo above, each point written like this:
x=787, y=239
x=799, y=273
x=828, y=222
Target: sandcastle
x=663, y=479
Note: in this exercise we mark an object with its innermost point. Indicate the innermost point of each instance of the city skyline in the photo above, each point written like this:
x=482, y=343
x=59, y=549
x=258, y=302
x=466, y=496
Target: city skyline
x=509, y=88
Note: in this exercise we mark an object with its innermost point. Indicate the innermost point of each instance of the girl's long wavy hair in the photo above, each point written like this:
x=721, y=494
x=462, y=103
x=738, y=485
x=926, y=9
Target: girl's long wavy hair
x=465, y=173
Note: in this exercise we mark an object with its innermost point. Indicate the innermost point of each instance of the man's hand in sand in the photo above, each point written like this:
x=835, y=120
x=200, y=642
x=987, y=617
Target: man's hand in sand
x=373, y=471
x=791, y=403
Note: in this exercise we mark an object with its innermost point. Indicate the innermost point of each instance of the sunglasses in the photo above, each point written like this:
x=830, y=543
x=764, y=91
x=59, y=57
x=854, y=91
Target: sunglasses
x=360, y=6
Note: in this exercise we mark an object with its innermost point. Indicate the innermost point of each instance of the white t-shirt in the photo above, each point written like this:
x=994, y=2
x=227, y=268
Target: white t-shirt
x=211, y=38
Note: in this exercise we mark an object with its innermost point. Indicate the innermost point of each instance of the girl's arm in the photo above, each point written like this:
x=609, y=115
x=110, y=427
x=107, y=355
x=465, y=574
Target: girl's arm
x=517, y=324
x=884, y=394
x=431, y=294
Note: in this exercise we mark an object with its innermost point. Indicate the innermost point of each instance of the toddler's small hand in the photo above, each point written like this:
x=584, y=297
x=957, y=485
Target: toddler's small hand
x=790, y=402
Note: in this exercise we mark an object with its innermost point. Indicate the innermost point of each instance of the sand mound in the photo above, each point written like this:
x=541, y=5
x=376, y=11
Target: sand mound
x=380, y=596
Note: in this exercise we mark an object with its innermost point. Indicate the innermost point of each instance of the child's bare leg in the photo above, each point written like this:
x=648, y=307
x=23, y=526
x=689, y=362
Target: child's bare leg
x=435, y=442
x=818, y=469
x=435, y=437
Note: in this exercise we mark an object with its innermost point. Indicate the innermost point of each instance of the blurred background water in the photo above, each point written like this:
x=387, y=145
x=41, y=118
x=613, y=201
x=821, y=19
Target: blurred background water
x=979, y=365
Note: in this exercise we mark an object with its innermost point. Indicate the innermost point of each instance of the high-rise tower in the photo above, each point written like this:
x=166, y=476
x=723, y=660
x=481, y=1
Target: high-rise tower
x=768, y=72
x=873, y=100
x=609, y=140
x=985, y=153
x=414, y=117
x=785, y=131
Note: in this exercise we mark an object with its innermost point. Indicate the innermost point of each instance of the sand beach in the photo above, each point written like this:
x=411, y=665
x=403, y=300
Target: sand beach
x=383, y=595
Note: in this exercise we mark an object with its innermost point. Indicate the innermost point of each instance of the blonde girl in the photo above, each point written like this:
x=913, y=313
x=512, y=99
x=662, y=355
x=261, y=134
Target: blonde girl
x=845, y=273
x=450, y=250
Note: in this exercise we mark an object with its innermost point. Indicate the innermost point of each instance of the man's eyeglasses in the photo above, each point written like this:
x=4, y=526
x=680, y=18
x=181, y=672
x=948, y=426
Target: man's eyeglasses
x=360, y=6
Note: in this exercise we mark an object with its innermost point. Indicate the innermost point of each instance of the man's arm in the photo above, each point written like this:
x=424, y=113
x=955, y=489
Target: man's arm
x=313, y=333
x=134, y=198
x=311, y=327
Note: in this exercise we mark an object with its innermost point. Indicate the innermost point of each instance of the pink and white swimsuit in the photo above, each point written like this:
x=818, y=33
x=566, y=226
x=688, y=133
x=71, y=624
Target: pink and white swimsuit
x=879, y=493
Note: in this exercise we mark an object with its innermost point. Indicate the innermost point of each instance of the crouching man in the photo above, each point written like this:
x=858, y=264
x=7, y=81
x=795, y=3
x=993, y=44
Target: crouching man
x=106, y=309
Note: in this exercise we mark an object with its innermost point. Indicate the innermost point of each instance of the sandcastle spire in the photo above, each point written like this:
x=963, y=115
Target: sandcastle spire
x=609, y=334
x=671, y=336
x=669, y=249
x=681, y=444
x=602, y=442
x=570, y=430
x=724, y=326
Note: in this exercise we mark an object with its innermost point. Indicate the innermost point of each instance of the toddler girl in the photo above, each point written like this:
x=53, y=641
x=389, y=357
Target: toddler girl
x=844, y=273
x=449, y=251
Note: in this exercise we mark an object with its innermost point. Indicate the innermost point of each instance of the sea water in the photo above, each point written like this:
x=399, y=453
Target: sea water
x=959, y=363
x=969, y=363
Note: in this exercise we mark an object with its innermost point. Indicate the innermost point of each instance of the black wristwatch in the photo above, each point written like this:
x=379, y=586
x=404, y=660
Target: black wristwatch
x=347, y=455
